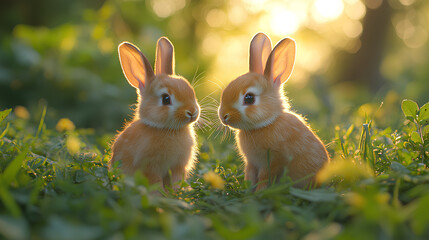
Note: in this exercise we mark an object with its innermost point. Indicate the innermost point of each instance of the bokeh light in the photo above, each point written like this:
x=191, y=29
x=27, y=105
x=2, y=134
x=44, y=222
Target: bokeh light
x=212, y=43
x=327, y=10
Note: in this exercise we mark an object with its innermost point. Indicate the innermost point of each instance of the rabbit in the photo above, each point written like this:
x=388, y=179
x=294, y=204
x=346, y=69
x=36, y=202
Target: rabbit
x=254, y=105
x=161, y=140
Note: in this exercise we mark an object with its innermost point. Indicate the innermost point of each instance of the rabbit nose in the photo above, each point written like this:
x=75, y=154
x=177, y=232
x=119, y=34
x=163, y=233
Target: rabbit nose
x=225, y=117
x=189, y=114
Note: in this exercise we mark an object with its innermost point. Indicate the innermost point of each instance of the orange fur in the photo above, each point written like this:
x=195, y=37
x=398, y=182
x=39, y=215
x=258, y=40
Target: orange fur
x=267, y=125
x=155, y=151
x=160, y=141
x=292, y=145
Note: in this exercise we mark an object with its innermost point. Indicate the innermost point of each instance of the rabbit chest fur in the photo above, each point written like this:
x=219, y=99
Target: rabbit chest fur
x=292, y=147
x=155, y=151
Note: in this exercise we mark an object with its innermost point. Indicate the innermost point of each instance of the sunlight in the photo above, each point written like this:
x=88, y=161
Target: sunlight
x=283, y=21
x=216, y=18
x=313, y=57
x=165, y=8
x=211, y=44
x=254, y=5
x=352, y=29
x=237, y=15
x=355, y=10
x=418, y=38
x=327, y=10
x=231, y=58
x=407, y=2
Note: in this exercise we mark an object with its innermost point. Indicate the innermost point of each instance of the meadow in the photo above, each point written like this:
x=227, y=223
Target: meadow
x=360, y=79
x=55, y=184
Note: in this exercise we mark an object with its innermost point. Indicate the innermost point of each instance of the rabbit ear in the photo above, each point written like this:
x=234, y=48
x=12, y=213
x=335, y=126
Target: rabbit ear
x=135, y=66
x=260, y=49
x=164, y=57
x=281, y=61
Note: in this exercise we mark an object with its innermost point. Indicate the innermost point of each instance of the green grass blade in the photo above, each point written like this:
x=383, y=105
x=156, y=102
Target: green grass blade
x=13, y=167
x=368, y=145
x=8, y=200
x=362, y=144
x=4, y=114
x=4, y=131
x=42, y=121
x=365, y=146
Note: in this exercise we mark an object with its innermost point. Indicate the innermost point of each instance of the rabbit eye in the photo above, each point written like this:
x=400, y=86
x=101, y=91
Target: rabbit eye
x=249, y=99
x=166, y=100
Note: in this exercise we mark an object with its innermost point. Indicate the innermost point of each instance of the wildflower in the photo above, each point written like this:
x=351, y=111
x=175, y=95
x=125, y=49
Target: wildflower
x=65, y=124
x=22, y=112
x=73, y=144
x=346, y=169
x=382, y=198
x=355, y=199
x=214, y=180
x=204, y=156
x=367, y=109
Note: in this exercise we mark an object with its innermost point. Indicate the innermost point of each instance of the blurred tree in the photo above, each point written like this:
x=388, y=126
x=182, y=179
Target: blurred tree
x=63, y=53
x=363, y=68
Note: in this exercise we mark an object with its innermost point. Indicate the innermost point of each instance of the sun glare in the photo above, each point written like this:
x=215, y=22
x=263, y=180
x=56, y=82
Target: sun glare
x=355, y=10
x=283, y=21
x=279, y=19
x=254, y=6
x=327, y=10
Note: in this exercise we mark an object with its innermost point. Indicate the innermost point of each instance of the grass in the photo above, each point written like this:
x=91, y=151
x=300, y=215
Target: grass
x=55, y=184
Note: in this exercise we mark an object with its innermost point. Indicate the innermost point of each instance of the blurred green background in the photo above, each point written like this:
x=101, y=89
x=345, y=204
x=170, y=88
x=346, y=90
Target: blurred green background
x=352, y=56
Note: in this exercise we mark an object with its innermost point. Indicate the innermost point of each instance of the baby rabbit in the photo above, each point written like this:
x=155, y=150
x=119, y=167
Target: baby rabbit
x=254, y=105
x=160, y=141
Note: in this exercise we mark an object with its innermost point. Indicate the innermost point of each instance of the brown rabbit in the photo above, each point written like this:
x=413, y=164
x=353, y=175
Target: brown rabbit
x=254, y=105
x=160, y=141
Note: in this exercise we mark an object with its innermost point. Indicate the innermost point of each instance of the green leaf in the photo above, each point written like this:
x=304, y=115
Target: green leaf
x=409, y=108
x=13, y=167
x=316, y=195
x=4, y=113
x=424, y=122
x=410, y=118
x=416, y=137
x=424, y=112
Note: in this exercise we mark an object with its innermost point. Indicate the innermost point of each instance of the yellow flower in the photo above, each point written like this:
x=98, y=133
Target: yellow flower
x=367, y=109
x=204, y=155
x=73, y=144
x=355, y=199
x=22, y=112
x=64, y=124
x=346, y=169
x=382, y=198
x=214, y=180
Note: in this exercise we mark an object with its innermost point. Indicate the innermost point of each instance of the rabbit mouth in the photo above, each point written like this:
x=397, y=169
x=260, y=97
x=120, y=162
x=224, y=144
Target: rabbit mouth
x=192, y=119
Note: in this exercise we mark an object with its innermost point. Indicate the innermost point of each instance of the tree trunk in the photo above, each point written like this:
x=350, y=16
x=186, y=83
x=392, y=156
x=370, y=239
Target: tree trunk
x=364, y=67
